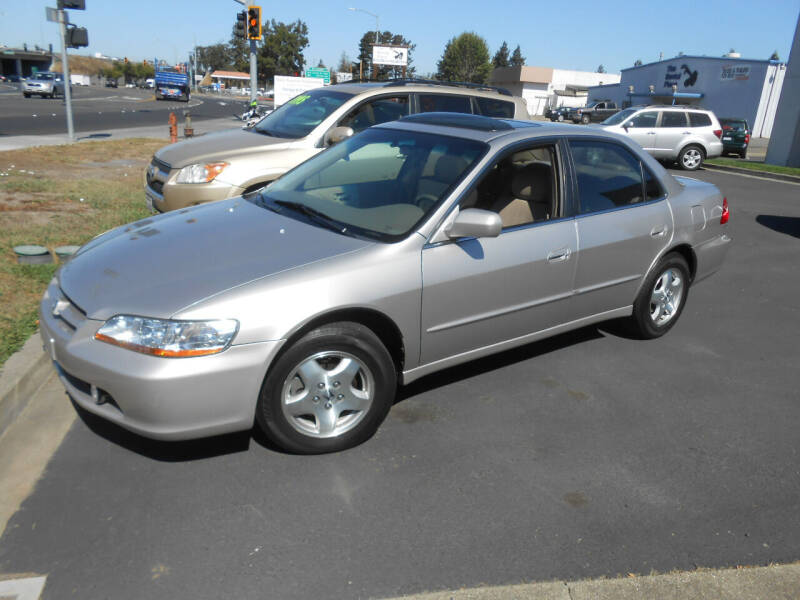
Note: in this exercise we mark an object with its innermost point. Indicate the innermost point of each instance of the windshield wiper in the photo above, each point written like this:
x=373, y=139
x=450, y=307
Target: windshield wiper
x=315, y=215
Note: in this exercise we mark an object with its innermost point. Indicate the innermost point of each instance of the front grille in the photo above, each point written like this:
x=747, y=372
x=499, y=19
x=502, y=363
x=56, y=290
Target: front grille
x=161, y=165
x=78, y=384
x=155, y=185
x=66, y=311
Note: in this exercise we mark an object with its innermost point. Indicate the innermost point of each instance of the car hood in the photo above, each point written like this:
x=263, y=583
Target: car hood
x=158, y=266
x=221, y=145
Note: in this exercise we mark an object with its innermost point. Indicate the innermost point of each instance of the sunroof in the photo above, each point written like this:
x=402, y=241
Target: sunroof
x=464, y=121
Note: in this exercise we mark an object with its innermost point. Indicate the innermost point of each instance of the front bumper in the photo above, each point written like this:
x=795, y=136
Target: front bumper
x=167, y=399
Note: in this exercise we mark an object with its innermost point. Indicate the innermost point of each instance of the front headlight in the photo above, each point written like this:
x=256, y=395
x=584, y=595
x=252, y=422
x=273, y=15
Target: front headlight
x=171, y=339
x=200, y=173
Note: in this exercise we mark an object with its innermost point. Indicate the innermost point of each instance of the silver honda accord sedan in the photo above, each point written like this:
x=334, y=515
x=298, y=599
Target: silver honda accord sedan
x=408, y=248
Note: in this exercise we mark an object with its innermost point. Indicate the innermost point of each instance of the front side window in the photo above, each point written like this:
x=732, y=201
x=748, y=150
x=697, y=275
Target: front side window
x=300, y=115
x=645, y=119
x=375, y=183
x=377, y=111
x=444, y=103
x=673, y=118
x=521, y=187
x=608, y=175
x=619, y=117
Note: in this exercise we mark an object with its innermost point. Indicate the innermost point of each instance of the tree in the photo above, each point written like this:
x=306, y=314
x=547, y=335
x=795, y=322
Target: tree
x=500, y=59
x=465, y=58
x=214, y=57
x=775, y=56
x=517, y=60
x=637, y=62
x=383, y=71
x=282, y=50
x=601, y=69
x=238, y=52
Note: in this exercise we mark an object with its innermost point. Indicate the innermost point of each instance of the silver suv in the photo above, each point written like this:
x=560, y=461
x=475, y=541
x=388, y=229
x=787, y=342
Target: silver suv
x=675, y=133
x=230, y=163
x=46, y=85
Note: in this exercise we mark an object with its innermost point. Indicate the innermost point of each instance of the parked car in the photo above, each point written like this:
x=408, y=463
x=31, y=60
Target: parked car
x=684, y=134
x=560, y=113
x=301, y=306
x=229, y=163
x=735, y=136
x=44, y=85
x=112, y=83
x=15, y=78
x=594, y=113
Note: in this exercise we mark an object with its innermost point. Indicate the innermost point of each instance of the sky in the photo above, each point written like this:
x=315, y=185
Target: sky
x=572, y=34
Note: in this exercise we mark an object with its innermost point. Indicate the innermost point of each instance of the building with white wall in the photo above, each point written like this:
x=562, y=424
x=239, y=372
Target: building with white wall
x=545, y=87
x=731, y=87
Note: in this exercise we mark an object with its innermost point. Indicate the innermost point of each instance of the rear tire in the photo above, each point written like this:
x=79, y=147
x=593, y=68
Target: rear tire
x=661, y=299
x=26, y=95
x=328, y=391
x=743, y=154
x=691, y=157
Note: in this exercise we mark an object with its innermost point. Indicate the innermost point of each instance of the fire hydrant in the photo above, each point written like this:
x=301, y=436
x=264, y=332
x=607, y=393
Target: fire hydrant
x=173, y=128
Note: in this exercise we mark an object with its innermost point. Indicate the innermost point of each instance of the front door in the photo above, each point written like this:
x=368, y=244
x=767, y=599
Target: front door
x=642, y=128
x=479, y=292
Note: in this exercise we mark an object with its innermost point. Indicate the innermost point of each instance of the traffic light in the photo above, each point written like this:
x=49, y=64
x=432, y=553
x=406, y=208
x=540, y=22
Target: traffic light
x=77, y=37
x=241, y=24
x=254, y=23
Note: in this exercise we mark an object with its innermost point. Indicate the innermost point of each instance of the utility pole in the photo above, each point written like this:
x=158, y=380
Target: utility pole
x=65, y=68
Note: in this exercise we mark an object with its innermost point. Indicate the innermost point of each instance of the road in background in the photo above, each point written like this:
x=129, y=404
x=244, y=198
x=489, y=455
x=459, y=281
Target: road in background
x=585, y=455
x=98, y=108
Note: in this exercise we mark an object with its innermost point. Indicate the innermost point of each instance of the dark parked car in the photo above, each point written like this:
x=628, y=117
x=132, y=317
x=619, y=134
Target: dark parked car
x=561, y=113
x=597, y=112
x=111, y=83
x=735, y=137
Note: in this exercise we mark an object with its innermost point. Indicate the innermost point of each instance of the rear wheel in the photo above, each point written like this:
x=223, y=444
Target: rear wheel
x=691, y=157
x=662, y=297
x=329, y=391
x=26, y=95
x=743, y=154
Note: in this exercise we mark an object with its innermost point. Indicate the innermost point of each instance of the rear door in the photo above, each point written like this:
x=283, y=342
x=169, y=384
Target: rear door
x=623, y=224
x=671, y=132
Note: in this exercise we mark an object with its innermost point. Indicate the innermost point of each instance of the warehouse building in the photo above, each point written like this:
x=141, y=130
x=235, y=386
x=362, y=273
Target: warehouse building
x=544, y=87
x=731, y=87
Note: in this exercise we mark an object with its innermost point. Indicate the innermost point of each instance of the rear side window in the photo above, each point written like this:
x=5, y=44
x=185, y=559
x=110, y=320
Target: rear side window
x=499, y=109
x=652, y=188
x=444, y=103
x=608, y=175
x=673, y=119
x=697, y=119
x=733, y=124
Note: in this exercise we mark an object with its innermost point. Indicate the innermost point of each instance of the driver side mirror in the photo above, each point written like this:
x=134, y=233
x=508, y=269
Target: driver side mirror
x=336, y=135
x=627, y=124
x=475, y=222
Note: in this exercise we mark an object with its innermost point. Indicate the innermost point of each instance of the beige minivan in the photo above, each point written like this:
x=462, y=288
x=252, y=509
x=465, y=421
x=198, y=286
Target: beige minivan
x=229, y=163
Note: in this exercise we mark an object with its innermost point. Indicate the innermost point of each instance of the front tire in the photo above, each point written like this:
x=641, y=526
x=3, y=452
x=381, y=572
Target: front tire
x=661, y=299
x=585, y=119
x=329, y=391
x=691, y=158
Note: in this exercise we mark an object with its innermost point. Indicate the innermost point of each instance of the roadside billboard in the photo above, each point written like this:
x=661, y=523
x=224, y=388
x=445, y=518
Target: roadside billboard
x=287, y=88
x=395, y=56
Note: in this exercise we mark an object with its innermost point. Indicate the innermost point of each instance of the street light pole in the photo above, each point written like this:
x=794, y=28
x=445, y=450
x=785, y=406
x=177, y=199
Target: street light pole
x=62, y=18
x=372, y=14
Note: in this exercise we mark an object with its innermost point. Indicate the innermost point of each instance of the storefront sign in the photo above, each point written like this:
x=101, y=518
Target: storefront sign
x=676, y=76
x=735, y=73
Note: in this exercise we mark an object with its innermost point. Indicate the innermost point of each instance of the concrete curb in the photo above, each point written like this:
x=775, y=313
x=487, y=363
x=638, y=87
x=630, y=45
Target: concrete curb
x=753, y=173
x=20, y=377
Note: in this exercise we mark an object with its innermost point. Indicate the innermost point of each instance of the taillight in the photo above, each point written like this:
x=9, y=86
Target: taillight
x=746, y=138
x=725, y=212
x=718, y=133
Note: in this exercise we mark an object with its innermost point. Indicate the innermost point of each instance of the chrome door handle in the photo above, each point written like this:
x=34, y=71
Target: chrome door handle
x=656, y=232
x=559, y=255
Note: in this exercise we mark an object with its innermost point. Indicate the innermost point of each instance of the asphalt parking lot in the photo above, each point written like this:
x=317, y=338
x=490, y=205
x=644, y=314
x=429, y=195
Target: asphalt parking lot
x=585, y=455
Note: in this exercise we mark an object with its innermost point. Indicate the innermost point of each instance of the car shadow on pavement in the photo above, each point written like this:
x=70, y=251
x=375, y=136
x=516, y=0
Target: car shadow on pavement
x=497, y=361
x=787, y=225
x=180, y=451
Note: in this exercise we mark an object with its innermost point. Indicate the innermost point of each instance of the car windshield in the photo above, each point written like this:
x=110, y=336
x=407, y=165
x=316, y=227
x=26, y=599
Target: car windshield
x=297, y=117
x=44, y=76
x=733, y=124
x=378, y=184
x=619, y=117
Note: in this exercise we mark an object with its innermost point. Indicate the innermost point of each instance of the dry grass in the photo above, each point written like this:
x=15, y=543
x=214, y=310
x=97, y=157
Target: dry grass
x=57, y=196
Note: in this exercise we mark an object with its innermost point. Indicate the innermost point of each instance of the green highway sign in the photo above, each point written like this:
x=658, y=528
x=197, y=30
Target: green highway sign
x=321, y=73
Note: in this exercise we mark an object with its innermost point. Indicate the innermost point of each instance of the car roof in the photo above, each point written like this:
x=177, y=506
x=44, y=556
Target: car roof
x=422, y=85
